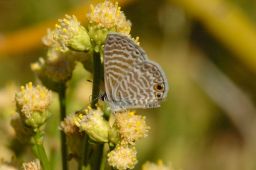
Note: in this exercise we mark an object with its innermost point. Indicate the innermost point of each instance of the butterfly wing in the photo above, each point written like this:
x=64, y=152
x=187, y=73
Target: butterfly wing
x=145, y=86
x=120, y=55
x=130, y=78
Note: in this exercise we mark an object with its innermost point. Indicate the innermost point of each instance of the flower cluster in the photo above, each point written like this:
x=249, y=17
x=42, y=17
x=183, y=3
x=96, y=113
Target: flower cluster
x=109, y=15
x=103, y=18
x=32, y=104
x=68, y=34
x=122, y=157
x=125, y=131
x=120, y=131
x=131, y=127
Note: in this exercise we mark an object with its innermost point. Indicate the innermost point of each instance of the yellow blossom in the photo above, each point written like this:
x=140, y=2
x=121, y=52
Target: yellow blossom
x=32, y=104
x=103, y=18
x=109, y=15
x=131, y=127
x=122, y=157
x=33, y=98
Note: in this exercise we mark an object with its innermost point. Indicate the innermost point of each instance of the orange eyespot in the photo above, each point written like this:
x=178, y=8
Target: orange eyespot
x=159, y=87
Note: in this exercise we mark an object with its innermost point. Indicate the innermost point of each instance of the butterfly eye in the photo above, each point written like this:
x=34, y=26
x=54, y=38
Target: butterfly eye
x=159, y=87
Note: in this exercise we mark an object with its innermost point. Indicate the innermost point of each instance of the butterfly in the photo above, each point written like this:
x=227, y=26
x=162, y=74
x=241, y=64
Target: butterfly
x=131, y=79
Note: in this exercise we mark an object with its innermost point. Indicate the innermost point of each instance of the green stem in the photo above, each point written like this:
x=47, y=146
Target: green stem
x=96, y=79
x=62, y=101
x=98, y=156
x=103, y=158
x=83, y=156
x=95, y=95
x=39, y=151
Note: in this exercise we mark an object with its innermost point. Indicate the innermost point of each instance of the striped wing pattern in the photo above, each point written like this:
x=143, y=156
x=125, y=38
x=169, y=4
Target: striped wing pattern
x=130, y=78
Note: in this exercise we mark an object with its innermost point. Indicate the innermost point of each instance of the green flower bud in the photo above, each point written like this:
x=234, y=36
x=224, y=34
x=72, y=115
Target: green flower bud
x=98, y=35
x=37, y=118
x=68, y=34
x=94, y=125
x=80, y=41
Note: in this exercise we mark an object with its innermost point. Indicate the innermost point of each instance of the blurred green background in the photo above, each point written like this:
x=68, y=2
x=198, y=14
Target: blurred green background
x=207, y=48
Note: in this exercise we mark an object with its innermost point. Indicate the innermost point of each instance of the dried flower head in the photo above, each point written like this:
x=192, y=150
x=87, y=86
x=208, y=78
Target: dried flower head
x=131, y=127
x=93, y=123
x=153, y=166
x=33, y=165
x=109, y=15
x=32, y=104
x=68, y=125
x=122, y=157
x=74, y=136
x=68, y=34
x=57, y=68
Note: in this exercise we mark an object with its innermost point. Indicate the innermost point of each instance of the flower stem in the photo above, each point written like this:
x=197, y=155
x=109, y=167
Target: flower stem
x=83, y=156
x=96, y=79
x=39, y=151
x=62, y=101
x=95, y=96
x=103, y=158
x=98, y=156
